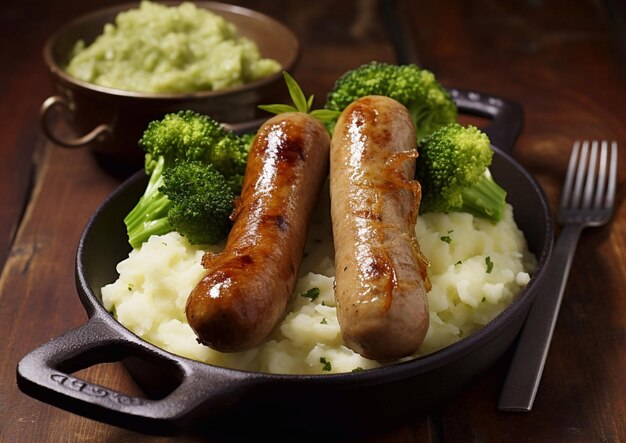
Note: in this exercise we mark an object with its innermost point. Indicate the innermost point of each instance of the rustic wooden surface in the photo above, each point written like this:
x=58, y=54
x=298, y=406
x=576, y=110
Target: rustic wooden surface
x=565, y=62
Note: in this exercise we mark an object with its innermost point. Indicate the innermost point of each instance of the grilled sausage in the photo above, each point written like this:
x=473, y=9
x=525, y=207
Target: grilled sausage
x=248, y=285
x=381, y=280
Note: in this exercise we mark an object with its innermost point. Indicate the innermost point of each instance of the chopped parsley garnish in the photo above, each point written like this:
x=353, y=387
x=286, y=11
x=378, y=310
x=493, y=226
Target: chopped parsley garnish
x=312, y=293
x=358, y=369
x=458, y=263
x=323, y=322
x=447, y=238
x=325, y=364
x=489, y=264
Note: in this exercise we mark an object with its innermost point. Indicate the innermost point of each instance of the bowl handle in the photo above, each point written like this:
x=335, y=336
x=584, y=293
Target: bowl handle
x=99, y=131
x=507, y=116
x=46, y=374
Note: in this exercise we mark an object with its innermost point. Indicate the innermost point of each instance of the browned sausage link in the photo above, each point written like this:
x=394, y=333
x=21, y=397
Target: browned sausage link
x=381, y=281
x=249, y=284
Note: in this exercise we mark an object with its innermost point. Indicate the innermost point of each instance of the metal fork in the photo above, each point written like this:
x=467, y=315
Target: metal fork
x=588, y=199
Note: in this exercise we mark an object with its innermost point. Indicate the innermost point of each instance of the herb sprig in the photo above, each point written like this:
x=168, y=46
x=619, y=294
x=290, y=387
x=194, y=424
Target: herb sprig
x=300, y=103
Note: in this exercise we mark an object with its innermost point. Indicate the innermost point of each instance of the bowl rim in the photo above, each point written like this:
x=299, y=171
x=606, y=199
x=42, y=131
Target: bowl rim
x=57, y=70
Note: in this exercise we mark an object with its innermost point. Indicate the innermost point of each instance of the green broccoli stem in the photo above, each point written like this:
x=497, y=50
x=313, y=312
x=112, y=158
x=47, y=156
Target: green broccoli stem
x=416, y=112
x=485, y=199
x=149, y=216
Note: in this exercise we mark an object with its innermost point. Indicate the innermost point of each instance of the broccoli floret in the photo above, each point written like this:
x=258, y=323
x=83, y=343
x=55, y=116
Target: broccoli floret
x=190, y=136
x=196, y=169
x=191, y=197
x=452, y=168
x=429, y=104
x=203, y=201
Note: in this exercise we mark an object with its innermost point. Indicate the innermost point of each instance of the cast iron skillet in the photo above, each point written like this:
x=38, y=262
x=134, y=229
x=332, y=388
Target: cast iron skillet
x=181, y=392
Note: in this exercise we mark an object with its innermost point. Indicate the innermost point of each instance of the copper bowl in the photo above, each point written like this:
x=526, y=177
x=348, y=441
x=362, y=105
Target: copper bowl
x=111, y=121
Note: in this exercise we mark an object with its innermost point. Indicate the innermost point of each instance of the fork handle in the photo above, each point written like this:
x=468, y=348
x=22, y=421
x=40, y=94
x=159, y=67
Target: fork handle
x=522, y=381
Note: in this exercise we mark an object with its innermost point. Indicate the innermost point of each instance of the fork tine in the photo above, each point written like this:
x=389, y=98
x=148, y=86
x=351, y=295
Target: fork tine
x=591, y=176
x=580, y=176
x=569, y=177
x=602, y=176
x=610, y=195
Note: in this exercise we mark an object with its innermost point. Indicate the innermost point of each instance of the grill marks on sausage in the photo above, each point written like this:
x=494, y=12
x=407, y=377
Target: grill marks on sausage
x=284, y=144
x=375, y=266
x=379, y=271
x=369, y=214
x=276, y=220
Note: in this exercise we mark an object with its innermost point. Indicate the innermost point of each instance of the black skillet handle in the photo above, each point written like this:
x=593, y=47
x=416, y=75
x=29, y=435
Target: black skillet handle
x=46, y=374
x=507, y=117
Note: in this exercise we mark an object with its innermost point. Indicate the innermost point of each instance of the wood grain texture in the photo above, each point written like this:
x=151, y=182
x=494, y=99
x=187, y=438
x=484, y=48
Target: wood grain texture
x=565, y=63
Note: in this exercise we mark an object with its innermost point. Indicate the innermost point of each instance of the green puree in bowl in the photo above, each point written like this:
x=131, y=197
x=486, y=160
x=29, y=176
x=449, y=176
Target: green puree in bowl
x=156, y=48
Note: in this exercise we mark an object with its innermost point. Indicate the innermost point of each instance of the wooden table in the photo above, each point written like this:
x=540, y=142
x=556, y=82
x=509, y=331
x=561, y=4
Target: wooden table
x=564, y=62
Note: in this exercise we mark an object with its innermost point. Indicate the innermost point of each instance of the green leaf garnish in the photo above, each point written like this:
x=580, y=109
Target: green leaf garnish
x=489, y=264
x=296, y=94
x=309, y=103
x=447, y=238
x=312, y=293
x=278, y=109
x=325, y=115
x=326, y=364
x=300, y=103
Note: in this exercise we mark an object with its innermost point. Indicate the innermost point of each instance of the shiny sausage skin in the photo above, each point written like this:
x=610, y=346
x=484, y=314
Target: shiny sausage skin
x=248, y=285
x=381, y=280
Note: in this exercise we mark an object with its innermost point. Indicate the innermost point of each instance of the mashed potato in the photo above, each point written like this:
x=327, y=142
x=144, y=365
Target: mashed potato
x=156, y=48
x=476, y=268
